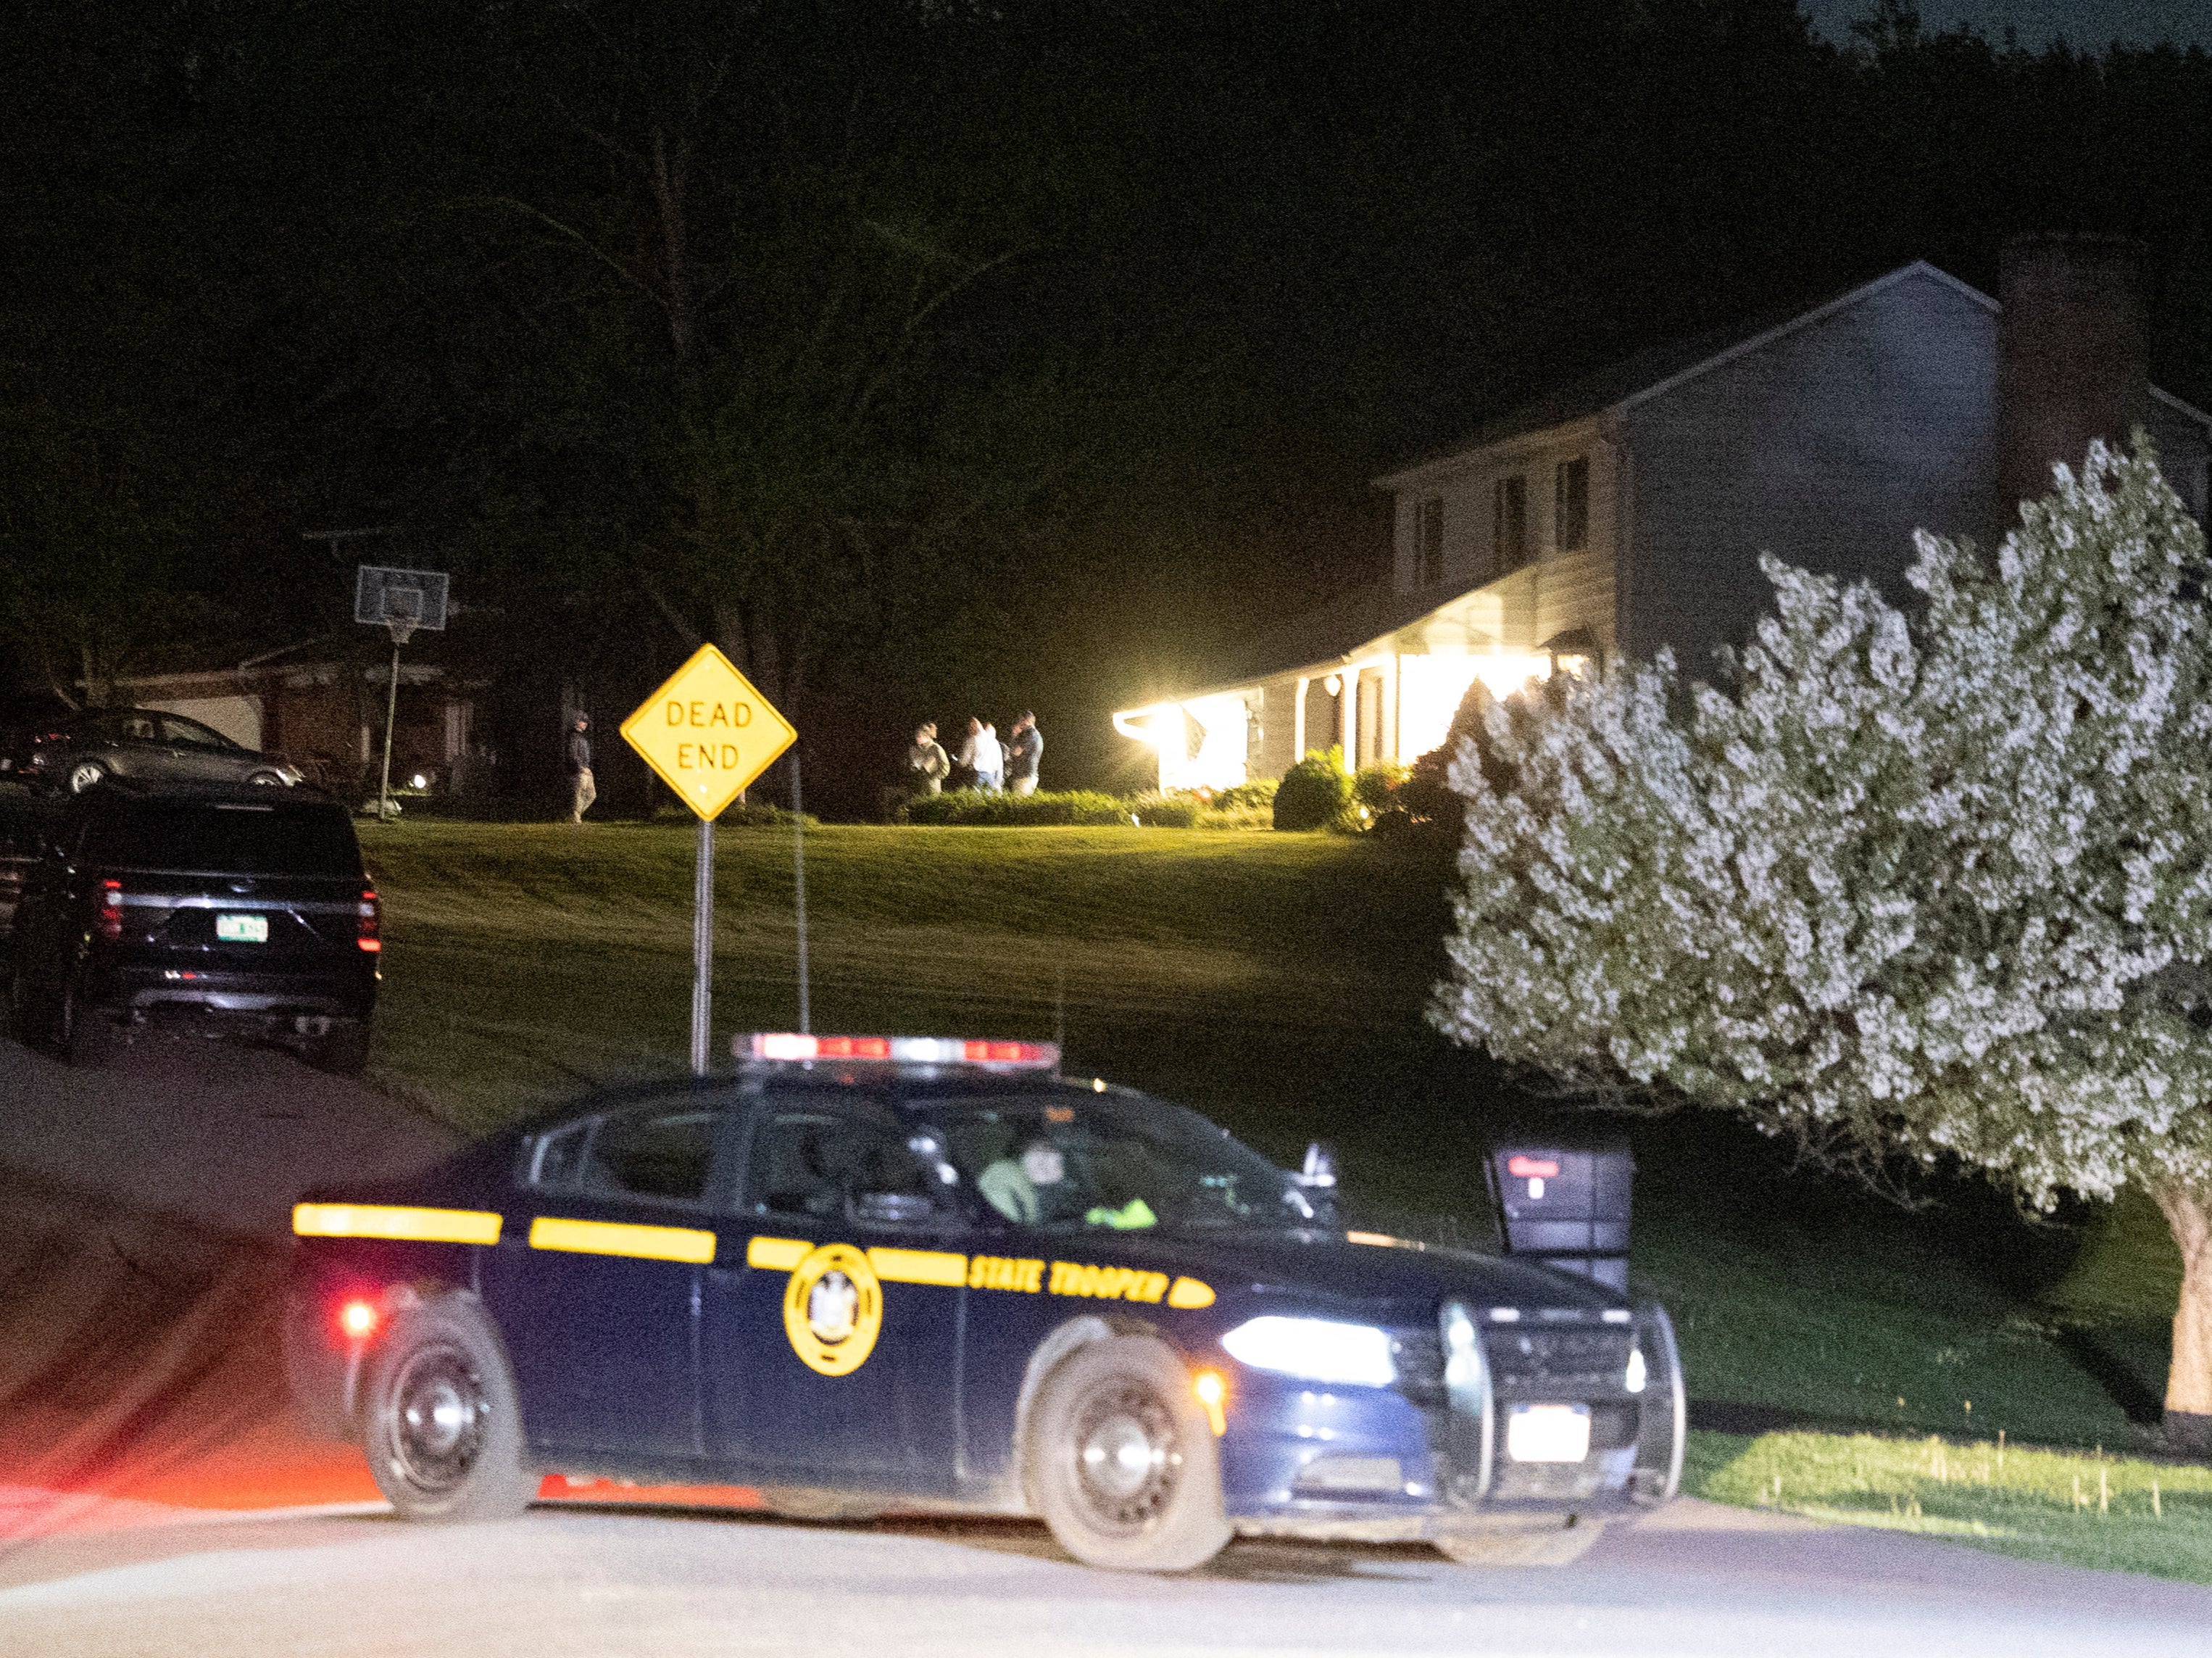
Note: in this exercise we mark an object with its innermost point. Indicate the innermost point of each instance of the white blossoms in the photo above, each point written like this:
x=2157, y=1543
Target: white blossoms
x=1937, y=882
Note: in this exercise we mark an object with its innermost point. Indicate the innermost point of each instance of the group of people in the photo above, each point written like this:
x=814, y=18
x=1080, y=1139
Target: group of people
x=989, y=763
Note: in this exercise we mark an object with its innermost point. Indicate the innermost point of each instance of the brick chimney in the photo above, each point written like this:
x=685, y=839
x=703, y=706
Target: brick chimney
x=2072, y=356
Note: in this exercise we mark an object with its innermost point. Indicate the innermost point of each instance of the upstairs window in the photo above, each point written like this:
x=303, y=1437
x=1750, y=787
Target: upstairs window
x=1429, y=542
x=1508, y=538
x=1571, y=504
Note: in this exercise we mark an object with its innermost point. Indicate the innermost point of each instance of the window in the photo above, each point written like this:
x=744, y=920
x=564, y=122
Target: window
x=190, y=734
x=663, y=1154
x=282, y=837
x=1508, y=538
x=1429, y=542
x=1571, y=504
x=831, y=1164
x=1117, y=1165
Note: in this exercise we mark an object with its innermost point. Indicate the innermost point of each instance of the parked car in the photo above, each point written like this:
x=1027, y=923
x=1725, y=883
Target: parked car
x=85, y=748
x=234, y=908
x=868, y=1272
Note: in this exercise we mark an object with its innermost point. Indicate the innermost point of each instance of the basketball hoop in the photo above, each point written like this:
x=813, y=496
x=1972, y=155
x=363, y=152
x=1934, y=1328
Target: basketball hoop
x=401, y=601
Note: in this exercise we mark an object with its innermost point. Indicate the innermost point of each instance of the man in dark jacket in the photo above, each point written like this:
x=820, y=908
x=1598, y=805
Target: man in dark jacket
x=1025, y=748
x=580, y=769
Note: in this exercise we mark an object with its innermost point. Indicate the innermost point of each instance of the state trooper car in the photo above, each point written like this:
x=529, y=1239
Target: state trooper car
x=928, y=1273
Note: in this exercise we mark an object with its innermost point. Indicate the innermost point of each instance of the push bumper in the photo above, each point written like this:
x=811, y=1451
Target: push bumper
x=1422, y=1462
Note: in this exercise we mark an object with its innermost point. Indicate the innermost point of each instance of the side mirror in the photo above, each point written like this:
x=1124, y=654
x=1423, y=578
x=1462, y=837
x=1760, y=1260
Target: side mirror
x=1319, y=1173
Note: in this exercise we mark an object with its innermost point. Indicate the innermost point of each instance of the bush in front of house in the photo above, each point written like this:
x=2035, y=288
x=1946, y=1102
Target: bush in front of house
x=1260, y=792
x=975, y=809
x=1315, y=794
x=1376, y=785
x=1154, y=810
x=1236, y=817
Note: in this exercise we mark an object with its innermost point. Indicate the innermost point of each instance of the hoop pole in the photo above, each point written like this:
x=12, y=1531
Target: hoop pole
x=390, y=712
x=703, y=946
x=798, y=887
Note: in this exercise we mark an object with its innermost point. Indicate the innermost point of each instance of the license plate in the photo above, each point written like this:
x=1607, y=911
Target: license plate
x=1548, y=1433
x=242, y=930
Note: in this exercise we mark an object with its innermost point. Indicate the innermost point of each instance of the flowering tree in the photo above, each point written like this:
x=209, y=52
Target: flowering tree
x=1918, y=886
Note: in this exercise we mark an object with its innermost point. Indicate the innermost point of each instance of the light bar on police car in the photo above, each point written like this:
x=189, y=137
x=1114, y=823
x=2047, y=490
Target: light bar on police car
x=793, y=1046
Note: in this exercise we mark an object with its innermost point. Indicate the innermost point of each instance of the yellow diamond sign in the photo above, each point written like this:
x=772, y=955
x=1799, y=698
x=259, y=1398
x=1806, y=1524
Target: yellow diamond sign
x=707, y=732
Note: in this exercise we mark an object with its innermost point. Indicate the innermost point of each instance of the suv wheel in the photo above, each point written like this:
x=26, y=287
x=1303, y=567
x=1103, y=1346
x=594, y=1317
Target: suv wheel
x=28, y=1022
x=442, y=1428
x=85, y=774
x=344, y=1051
x=83, y=1034
x=1122, y=1464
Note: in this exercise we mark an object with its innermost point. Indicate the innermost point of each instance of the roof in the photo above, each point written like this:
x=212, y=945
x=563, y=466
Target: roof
x=1325, y=632
x=1337, y=627
x=1658, y=369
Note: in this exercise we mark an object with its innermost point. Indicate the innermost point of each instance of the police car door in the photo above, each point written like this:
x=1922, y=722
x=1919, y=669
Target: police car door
x=596, y=1277
x=830, y=1340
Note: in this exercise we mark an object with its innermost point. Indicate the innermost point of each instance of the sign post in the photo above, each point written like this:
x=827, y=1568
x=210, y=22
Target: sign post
x=707, y=733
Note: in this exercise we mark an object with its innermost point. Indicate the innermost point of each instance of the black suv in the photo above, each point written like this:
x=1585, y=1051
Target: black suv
x=236, y=907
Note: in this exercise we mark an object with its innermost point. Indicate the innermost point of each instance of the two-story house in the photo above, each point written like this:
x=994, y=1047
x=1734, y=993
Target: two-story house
x=1628, y=510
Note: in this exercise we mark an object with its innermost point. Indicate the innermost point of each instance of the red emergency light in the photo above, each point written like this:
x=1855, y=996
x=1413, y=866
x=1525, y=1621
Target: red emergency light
x=797, y=1047
x=1533, y=1168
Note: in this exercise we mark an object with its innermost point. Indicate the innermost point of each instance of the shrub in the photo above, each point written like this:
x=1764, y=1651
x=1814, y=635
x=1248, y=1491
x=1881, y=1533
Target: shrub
x=1236, y=817
x=1158, y=811
x=1259, y=792
x=974, y=809
x=1315, y=793
x=1375, y=785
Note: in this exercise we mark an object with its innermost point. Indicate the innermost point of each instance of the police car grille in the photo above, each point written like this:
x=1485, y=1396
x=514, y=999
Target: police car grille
x=1560, y=1357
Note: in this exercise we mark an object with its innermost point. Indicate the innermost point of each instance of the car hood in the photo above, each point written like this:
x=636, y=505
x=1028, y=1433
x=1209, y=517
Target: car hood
x=1331, y=1270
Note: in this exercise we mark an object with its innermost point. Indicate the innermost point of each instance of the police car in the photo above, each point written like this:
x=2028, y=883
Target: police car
x=929, y=1273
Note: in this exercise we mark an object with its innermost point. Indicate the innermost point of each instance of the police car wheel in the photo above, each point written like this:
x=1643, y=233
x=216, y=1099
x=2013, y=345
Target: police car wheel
x=1121, y=1464
x=442, y=1429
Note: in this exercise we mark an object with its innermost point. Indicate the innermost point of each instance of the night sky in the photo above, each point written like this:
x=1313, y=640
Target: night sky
x=2085, y=23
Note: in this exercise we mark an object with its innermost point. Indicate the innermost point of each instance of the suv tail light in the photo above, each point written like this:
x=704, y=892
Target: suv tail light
x=370, y=937
x=110, y=924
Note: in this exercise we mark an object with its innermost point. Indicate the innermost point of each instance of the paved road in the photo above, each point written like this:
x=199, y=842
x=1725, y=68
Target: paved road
x=600, y=1585
x=154, y=1169
x=216, y=1133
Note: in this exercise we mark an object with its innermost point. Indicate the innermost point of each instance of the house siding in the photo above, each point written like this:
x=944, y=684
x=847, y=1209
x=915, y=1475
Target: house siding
x=1555, y=591
x=1828, y=446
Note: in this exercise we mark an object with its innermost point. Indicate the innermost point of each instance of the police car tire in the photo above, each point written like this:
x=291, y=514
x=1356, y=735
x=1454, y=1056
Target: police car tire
x=433, y=1350
x=1081, y=1398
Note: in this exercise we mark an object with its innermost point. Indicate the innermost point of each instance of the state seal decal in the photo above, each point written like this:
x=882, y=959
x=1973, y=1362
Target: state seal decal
x=833, y=1309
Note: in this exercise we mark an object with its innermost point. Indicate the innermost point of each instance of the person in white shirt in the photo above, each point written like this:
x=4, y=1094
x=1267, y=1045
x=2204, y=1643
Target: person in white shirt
x=983, y=757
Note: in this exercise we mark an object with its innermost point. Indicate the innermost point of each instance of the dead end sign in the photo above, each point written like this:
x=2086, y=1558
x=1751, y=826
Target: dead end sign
x=707, y=732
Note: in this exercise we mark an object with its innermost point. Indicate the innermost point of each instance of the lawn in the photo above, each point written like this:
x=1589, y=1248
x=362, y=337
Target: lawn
x=1276, y=982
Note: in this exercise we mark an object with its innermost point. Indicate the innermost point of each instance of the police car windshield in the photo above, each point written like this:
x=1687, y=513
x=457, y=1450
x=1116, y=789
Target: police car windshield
x=1074, y=1164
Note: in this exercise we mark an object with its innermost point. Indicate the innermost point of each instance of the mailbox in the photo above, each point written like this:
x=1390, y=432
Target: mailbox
x=1565, y=1204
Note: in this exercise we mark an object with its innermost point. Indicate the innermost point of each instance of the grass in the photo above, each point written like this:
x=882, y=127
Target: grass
x=2119, y=1513
x=1276, y=982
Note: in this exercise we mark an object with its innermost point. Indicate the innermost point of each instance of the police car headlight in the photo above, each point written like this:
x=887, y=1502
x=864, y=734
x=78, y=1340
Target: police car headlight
x=1314, y=1350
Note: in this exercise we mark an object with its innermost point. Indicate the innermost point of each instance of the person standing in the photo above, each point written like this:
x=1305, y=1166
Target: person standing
x=926, y=767
x=985, y=761
x=1024, y=749
x=990, y=760
x=580, y=770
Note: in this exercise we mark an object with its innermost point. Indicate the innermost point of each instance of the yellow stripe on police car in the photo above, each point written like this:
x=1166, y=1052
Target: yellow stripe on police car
x=649, y=1243
x=395, y=1221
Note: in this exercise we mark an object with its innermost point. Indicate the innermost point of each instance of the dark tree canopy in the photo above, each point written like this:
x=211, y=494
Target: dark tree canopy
x=925, y=355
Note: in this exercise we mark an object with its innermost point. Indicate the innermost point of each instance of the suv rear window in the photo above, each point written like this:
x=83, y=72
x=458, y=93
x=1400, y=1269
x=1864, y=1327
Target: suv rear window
x=224, y=838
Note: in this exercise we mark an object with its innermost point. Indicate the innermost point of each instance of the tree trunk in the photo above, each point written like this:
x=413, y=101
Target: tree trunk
x=2188, y=1382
